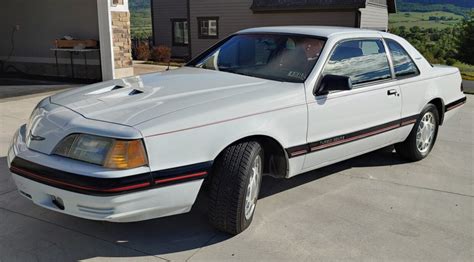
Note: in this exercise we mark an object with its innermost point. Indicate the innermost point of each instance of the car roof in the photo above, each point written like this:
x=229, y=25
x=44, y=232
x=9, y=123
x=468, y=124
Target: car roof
x=322, y=31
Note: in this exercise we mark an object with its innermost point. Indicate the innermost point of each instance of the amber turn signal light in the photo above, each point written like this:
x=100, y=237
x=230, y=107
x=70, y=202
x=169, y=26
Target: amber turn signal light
x=126, y=154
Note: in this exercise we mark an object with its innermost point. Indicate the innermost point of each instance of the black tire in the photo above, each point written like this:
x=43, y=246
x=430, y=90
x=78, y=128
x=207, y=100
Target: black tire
x=229, y=185
x=408, y=149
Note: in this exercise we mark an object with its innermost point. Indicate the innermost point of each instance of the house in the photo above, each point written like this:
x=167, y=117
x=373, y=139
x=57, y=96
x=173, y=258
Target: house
x=191, y=26
x=28, y=29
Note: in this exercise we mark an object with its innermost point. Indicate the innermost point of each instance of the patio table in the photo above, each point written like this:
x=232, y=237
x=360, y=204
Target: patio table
x=72, y=52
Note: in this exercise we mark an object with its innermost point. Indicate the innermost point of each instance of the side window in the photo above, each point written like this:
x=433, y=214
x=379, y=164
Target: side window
x=179, y=32
x=361, y=60
x=402, y=63
x=208, y=27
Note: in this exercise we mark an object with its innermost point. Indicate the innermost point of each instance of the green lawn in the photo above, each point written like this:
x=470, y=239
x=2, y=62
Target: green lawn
x=438, y=19
x=467, y=71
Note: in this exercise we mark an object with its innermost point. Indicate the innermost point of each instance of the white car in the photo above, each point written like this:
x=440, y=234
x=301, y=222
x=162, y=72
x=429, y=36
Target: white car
x=279, y=100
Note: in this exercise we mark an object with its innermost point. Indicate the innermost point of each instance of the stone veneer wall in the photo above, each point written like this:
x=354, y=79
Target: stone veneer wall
x=121, y=42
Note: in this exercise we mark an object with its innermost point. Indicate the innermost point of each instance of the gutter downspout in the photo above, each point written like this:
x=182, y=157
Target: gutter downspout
x=152, y=21
x=358, y=16
x=190, y=55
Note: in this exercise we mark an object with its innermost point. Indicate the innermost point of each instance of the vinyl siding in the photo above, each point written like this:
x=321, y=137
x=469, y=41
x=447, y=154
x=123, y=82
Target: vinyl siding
x=374, y=16
x=235, y=15
x=163, y=12
x=378, y=2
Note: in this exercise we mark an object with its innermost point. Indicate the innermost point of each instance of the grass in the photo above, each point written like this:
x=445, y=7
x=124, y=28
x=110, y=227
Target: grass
x=437, y=19
x=467, y=71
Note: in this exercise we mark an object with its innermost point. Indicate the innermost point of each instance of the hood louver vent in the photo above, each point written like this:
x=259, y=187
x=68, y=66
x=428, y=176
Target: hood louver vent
x=135, y=92
x=116, y=88
x=105, y=90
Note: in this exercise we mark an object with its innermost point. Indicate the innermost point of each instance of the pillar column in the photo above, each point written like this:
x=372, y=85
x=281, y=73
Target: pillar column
x=115, y=42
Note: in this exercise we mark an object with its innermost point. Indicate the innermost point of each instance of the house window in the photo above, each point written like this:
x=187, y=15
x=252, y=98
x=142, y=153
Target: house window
x=208, y=27
x=117, y=2
x=180, y=32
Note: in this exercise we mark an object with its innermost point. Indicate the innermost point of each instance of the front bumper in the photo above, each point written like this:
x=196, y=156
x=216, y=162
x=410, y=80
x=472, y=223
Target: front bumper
x=116, y=196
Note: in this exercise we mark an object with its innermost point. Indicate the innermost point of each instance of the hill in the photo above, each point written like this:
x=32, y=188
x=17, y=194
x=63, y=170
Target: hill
x=434, y=28
x=136, y=5
x=437, y=14
x=459, y=7
x=433, y=19
x=460, y=3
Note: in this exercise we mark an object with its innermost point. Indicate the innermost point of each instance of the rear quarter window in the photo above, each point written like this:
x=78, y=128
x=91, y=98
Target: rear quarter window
x=402, y=62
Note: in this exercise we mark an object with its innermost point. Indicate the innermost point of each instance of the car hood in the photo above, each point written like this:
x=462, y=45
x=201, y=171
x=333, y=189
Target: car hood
x=134, y=100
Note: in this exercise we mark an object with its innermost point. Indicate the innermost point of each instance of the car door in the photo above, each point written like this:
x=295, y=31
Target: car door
x=343, y=124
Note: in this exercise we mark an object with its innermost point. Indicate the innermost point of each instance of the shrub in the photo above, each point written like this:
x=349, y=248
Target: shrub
x=161, y=54
x=143, y=51
x=450, y=61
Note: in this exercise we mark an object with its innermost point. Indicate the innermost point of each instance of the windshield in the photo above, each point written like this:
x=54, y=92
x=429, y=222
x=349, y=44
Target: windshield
x=288, y=58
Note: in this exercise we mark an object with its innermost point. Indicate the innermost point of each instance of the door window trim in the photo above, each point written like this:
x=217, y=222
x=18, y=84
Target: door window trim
x=361, y=85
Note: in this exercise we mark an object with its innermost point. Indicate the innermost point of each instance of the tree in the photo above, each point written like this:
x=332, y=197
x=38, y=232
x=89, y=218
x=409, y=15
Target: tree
x=466, y=46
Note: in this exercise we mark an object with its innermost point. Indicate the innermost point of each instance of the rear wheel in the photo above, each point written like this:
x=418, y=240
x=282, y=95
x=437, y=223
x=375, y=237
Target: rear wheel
x=235, y=186
x=422, y=137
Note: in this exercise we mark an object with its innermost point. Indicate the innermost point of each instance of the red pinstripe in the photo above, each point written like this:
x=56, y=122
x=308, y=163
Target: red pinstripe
x=30, y=174
x=164, y=180
x=355, y=137
x=222, y=121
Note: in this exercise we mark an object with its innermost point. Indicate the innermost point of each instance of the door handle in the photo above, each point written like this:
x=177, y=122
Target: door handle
x=392, y=92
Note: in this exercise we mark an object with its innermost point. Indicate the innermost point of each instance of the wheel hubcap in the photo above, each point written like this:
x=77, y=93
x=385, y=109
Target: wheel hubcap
x=425, y=132
x=252, y=189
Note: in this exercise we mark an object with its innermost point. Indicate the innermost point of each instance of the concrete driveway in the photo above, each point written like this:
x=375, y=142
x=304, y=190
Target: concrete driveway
x=374, y=207
x=468, y=86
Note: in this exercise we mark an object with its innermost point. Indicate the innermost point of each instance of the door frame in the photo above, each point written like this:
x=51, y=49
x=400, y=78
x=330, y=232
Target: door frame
x=372, y=86
x=328, y=57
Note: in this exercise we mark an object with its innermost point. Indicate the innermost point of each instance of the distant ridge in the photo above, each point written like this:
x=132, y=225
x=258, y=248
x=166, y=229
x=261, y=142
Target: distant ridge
x=460, y=7
x=460, y=3
x=136, y=5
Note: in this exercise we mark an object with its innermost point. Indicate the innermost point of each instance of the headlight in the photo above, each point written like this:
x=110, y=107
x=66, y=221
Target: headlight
x=36, y=113
x=108, y=152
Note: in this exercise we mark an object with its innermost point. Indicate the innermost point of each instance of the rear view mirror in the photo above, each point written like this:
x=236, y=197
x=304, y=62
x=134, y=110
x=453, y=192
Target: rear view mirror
x=334, y=83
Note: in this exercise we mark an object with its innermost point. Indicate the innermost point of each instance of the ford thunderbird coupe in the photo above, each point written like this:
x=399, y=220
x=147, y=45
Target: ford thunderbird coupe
x=276, y=101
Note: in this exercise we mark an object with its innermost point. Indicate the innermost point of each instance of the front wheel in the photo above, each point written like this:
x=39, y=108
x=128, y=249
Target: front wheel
x=422, y=137
x=235, y=186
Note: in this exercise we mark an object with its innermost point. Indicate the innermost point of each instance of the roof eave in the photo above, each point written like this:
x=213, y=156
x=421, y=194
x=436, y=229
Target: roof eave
x=303, y=9
x=308, y=7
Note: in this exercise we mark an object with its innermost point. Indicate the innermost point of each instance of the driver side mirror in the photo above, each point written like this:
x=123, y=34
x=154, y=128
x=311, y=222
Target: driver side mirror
x=334, y=83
